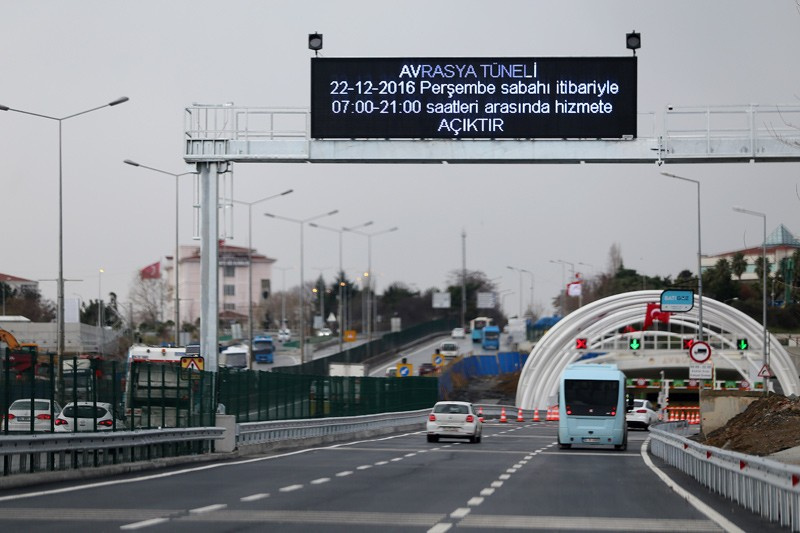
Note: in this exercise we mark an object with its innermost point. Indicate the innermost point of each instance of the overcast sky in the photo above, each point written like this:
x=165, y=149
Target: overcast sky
x=61, y=58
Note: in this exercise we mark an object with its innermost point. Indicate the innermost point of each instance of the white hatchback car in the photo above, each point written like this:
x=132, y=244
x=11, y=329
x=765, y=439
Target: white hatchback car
x=87, y=417
x=642, y=415
x=458, y=333
x=19, y=414
x=456, y=420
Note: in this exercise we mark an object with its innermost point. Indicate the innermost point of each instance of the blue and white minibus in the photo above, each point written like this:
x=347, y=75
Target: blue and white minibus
x=592, y=406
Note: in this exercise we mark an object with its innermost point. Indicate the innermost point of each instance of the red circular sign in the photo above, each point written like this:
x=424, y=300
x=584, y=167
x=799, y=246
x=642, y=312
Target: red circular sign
x=700, y=352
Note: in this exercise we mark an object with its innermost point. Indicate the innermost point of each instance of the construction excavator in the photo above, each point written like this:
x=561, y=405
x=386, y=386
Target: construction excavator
x=21, y=355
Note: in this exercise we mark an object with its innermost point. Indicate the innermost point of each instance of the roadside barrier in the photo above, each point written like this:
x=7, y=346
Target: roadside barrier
x=766, y=487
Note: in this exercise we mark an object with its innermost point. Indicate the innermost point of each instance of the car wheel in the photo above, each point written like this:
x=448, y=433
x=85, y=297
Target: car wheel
x=562, y=446
x=478, y=438
x=433, y=438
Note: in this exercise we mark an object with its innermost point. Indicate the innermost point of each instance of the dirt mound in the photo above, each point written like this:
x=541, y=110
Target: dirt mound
x=767, y=426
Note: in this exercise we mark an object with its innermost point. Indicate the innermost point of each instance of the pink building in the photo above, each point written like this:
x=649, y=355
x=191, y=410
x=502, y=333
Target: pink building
x=234, y=280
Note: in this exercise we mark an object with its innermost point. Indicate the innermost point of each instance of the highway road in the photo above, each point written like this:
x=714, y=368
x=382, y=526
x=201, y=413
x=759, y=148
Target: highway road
x=424, y=353
x=515, y=480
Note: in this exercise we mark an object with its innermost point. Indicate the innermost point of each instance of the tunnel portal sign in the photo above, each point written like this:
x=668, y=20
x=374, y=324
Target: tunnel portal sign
x=474, y=98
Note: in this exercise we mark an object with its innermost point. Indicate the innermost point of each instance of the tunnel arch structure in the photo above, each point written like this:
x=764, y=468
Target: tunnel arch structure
x=600, y=321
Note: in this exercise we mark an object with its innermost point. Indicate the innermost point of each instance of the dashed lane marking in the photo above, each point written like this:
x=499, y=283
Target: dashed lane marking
x=461, y=512
x=255, y=497
x=291, y=488
x=208, y=508
x=320, y=481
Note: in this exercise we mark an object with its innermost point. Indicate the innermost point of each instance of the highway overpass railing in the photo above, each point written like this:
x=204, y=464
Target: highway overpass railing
x=763, y=486
x=60, y=452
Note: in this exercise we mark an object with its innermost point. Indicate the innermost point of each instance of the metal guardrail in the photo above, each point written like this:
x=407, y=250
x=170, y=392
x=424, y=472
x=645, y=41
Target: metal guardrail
x=268, y=432
x=763, y=486
x=43, y=452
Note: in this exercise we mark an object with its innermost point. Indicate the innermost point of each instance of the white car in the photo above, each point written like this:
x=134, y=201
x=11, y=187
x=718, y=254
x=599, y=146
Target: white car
x=642, y=415
x=324, y=332
x=284, y=335
x=449, y=350
x=455, y=420
x=458, y=333
x=19, y=414
x=88, y=417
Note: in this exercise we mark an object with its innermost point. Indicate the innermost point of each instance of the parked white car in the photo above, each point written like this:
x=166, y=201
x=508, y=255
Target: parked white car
x=642, y=415
x=20, y=415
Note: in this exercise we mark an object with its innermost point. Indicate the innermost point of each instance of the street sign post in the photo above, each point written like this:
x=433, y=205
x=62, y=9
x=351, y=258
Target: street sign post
x=700, y=352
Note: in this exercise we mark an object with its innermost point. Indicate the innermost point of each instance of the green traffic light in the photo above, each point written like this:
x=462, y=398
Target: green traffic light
x=742, y=344
x=635, y=344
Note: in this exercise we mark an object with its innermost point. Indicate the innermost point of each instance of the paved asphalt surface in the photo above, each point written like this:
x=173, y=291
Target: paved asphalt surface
x=515, y=480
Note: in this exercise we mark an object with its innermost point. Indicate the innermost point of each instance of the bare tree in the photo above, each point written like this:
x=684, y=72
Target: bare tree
x=148, y=297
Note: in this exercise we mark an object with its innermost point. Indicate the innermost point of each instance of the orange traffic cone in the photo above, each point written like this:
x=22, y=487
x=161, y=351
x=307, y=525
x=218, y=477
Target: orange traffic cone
x=520, y=418
x=480, y=413
x=548, y=415
x=503, y=418
x=536, y=415
x=555, y=413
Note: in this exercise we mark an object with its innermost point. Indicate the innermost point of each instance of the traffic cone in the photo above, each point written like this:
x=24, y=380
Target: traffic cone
x=520, y=418
x=503, y=418
x=480, y=413
x=555, y=414
x=536, y=415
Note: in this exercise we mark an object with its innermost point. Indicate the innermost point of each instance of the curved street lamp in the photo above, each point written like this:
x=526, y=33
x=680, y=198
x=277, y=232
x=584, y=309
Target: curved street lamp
x=177, y=244
x=302, y=223
x=60, y=321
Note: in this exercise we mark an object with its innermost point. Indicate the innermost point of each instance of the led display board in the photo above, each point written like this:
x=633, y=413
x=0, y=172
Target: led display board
x=473, y=98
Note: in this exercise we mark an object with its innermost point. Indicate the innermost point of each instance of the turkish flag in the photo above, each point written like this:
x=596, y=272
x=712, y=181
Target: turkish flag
x=151, y=271
x=654, y=313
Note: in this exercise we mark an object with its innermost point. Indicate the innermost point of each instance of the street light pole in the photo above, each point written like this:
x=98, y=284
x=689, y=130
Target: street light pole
x=250, y=259
x=60, y=312
x=341, y=273
x=176, y=261
x=701, y=328
x=519, y=270
x=572, y=269
x=370, y=297
x=302, y=223
x=765, y=351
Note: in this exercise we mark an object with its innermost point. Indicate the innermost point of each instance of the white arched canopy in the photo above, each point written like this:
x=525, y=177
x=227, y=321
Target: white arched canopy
x=602, y=319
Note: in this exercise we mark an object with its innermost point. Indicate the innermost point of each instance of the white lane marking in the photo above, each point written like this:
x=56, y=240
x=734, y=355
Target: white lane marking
x=255, y=497
x=160, y=475
x=320, y=481
x=511, y=470
x=381, y=463
x=410, y=454
x=487, y=492
x=290, y=488
x=208, y=508
x=528, y=457
x=440, y=528
x=695, y=502
x=344, y=473
x=477, y=500
x=497, y=484
x=145, y=523
x=504, y=476
x=461, y=512
x=518, y=466
x=397, y=459
x=363, y=467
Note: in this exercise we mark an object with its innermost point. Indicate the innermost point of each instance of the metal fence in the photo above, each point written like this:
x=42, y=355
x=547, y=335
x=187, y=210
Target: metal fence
x=764, y=486
x=260, y=396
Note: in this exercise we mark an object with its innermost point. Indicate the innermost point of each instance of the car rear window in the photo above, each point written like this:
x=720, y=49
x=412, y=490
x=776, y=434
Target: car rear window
x=83, y=411
x=451, y=408
x=26, y=404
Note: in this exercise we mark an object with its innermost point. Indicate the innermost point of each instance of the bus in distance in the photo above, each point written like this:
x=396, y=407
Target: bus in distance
x=592, y=406
x=476, y=326
x=263, y=349
x=491, y=338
